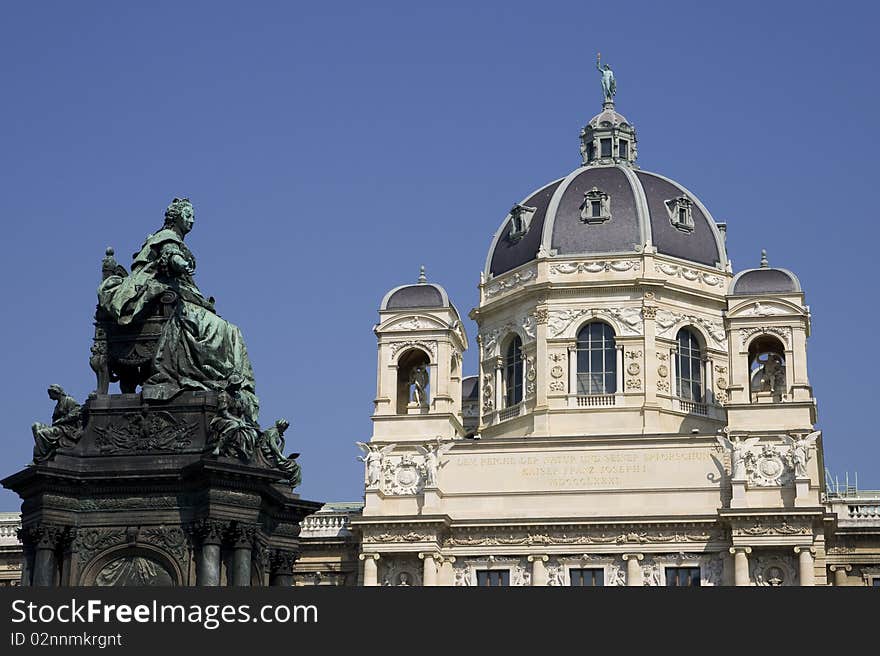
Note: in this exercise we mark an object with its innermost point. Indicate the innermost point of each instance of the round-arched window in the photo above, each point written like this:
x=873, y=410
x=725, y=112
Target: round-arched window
x=689, y=367
x=513, y=373
x=596, y=360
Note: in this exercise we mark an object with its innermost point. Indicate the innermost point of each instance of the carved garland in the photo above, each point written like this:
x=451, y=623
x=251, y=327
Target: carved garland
x=396, y=347
x=507, y=284
x=629, y=319
x=568, y=268
x=784, y=332
x=690, y=275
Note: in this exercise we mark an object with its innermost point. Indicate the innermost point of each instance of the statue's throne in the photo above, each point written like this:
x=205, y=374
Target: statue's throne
x=126, y=353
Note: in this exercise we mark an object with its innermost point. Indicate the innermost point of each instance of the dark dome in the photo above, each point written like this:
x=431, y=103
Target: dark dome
x=470, y=388
x=641, y=209
x=422, y=295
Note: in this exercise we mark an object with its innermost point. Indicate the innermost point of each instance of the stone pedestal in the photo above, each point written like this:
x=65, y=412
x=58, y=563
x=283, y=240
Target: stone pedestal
x=431, y=497
x=802, y=493
x=633, y=569
x=738, y=489
x=140, y=500
x=741, y=565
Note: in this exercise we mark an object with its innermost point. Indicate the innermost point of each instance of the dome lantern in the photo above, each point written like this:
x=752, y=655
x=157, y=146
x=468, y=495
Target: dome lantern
x=608, y=138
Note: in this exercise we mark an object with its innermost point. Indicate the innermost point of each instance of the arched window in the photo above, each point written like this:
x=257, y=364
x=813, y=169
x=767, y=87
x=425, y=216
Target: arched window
x=689, y=367
x=513, y=373
x=596, y=360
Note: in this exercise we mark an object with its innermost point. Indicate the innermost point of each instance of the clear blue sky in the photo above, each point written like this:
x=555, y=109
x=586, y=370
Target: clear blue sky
x=331, y=148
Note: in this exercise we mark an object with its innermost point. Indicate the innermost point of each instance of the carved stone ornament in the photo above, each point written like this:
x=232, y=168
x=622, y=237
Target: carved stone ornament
x=488, y=393
x=414, y=323
x=759, y=309
x=489, y=337
x=557, y=371
x=783, y=332
x=691, y=275
x=629, y=319
x=520, y=538
x=400, y=571
x=667, y=321
x=766, y=466
x=397, y=535
x=402, y=475
x=146, y=431
x=569, y=268
x=759, y=528
x=397, y=347
x=774, y=571
x=508, y=283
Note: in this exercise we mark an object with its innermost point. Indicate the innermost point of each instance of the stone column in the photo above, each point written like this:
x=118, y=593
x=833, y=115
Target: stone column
x=633, y=569
x=741, y=565
x=45, y=538
x=447, y=573
x=429, y=568
x=805, y=560
x=840, y=574
x=209, y=534
x=499, y=384
x=572, y=373
x=242, y=538
x=539, y=569
x=618, y=363
x=281, y=568
x=371, y=569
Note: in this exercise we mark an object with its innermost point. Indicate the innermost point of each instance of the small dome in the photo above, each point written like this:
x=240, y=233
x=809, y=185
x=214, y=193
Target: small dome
x=608, y=117
x=764, y=280
x=423, y=294
x=470, y=388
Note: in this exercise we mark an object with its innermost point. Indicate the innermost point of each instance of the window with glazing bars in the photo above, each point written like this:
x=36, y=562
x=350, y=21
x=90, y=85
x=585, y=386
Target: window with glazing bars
x=689, y=367
x=593, y=577
x=682, y=577
x=493, y=577
x=513, y=373
x=596, y=360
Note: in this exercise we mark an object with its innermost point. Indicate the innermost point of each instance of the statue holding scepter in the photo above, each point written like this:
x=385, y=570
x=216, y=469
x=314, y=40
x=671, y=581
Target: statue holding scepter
x=609, y=86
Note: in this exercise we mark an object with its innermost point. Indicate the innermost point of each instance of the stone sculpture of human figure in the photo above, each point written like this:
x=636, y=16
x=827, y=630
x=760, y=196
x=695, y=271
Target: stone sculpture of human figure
x=373, y=456
x=740, y=452
x=235, y=427
x=433, y=453
x=65, y=429
x=418, y=378
x=609, y=86
x=799, y=451
x=403, y=579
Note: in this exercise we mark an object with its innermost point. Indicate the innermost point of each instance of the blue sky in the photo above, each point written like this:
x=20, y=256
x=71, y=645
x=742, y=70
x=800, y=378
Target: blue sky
x=332, y=148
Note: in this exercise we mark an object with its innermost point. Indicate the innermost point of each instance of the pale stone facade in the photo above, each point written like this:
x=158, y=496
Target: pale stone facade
x=677, y=436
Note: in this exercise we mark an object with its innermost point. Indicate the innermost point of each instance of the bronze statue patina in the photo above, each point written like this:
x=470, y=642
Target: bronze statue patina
x=609, y=86
x=65, y=429
x=197, y=349
x=272, y=448
x=234, y=427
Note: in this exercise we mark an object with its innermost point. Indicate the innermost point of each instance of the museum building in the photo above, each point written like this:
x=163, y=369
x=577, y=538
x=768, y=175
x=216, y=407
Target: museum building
x=642, y=415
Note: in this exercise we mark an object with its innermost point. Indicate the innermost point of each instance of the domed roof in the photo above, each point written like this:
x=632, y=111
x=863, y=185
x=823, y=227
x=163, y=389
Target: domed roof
x=764, y=280
x=635, y=208
x=608, y=117
x=423, y=294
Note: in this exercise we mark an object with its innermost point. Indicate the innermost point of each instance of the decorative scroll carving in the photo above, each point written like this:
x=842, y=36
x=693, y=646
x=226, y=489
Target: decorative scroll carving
x=667, y=320
x=402, y=475
x=691, y=275
x=568, y=268
x=400, y=535
x=759, y=528
x=508, y=283
x=629, y=319
x=784, y=332
x=430, y=347
x=598, y=537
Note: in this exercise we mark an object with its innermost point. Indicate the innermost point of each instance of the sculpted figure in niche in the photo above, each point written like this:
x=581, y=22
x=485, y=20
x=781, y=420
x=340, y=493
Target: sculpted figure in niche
x=133, y=570
x=418, y=379
x=373, y=456
x=197, y=350
x=272, y=448
x=799, y=451
x=234, y=428
x=769, y=376
x=65, y=429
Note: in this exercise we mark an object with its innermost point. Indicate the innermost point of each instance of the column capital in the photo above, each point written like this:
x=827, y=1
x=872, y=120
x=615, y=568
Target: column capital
x=571, y=346
x=629, y=556
x=543, y=558
x=746, y=550
x=430, y=554
x=842, y=568
x=365, y=556
x=805, y=547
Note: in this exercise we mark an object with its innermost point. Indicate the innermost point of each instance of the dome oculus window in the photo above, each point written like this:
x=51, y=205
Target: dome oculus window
x=520, y=221
x=681, y=214
x=596, y=207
